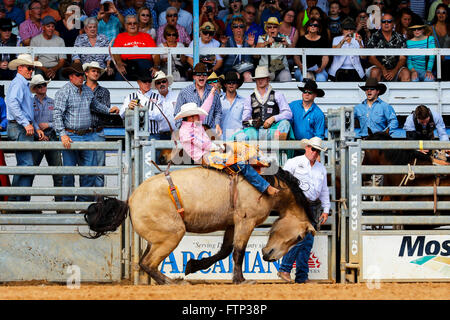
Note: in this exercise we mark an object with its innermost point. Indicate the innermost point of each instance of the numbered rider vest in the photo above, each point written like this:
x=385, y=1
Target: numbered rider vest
x=262, y=112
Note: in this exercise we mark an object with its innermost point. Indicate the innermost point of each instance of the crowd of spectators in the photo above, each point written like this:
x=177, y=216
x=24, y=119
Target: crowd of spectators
x=235, y=23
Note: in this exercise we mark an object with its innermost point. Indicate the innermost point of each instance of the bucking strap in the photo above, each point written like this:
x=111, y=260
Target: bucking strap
x=174, y=193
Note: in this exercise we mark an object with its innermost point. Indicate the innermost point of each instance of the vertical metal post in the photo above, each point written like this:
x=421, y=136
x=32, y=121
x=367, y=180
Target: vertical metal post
x=304, y=67
x=196, y=31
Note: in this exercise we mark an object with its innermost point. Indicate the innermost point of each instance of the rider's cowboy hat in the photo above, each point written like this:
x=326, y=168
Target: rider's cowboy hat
x=373, y=83
x=190, y=109
x=93, y=64
x=261, y=72
x=311, y=85
x=314, y=142
x=37, y=80
x=24, y=59
x=75, y=67
x=161, y=75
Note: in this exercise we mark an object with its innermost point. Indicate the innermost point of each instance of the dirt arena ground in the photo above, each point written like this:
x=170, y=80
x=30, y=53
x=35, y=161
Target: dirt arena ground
x=310, y=291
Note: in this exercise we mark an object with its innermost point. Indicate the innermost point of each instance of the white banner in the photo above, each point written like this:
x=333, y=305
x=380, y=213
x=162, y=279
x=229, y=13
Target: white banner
x=406, y=257
x=254, y=267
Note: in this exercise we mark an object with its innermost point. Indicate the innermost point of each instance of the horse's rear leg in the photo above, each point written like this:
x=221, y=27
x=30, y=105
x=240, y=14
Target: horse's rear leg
x=194, y=265
x=157, y=250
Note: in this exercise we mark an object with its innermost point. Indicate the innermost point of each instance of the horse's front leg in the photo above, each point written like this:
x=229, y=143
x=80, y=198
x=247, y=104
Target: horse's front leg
x=242, y=231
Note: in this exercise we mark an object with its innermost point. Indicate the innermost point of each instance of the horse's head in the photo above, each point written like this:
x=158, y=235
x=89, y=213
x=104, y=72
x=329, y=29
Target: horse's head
x=285, y=233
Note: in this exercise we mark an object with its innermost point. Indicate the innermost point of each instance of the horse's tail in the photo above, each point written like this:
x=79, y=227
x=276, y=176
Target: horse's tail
x=105, y=215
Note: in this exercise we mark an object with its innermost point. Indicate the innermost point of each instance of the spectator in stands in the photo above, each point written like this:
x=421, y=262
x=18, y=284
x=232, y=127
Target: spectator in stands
x=307, y=119
x=69, y=28
x=213, y=62
x=145, y=22
x=43, y=114
x=440, y=27
x=317, y=13
x=4, y=178
x=168, y=101
x=110, y=21
x=32, y=26
x=239, y=62
x=422, y=122
x=132, y=7
x=144, y=96
x=232, y=105
x=93, y=71
x=315, y=64
x=278, y=65
x=249, y=15
x=22, y=125
x=172, y=20
x=90, y=6
x=130, y=63
x=304, y=15
x=421, y=67
x=91, y=38
x=361, y=26
x=45, y=11
x=72, y=121
x=198, y=92
x=185, y=18
x=208, y=13
x=403, y=22
x=312, y=177
x=51, y=63
x=347, y=68
x=179, y=61
x=334, y=19
x=373, y=113
x=7, y=39
x=268, y=9
x=266, y=112
x=235, y=8
x=433, y=7
x=287, y=27
x=350, y=9
x=389, y=68
x=13, y=12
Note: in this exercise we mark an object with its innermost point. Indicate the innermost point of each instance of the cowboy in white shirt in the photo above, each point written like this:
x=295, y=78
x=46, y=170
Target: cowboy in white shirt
x=312, y=176
x=162, y=83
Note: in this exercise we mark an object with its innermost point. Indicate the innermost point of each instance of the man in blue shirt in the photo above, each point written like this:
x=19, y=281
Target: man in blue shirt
x=20, y=113
x=232, y=105
x=308, y=120
x=373, y=113
x=14, y=13
x=249, y=15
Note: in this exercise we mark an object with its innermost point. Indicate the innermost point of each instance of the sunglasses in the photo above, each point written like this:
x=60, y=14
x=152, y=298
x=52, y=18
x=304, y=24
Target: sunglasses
x=40, y=86
x=29, y=68
x=371, y=88
x=172, y=35
x=272, y=27
x=78, y=74
x=314, y=25
x=132, y=23
x=315, y=150
x=231, y=82
x=418, y=29
x=386, y=21
x=308, y=92
x=160, y=82
x=198, y=74
x=173, y=15
x=208, y=33
x=6, y=29
x=240, y=26
x=145, y=15
x=252, y=13
x=381, y=2
x=212, y=81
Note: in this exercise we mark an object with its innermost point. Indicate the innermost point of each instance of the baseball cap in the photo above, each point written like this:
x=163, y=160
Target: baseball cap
x=47, y=20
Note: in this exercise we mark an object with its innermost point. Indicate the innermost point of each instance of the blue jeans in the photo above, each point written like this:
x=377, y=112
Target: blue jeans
x=300, y=254
x=80, y=158
x=251, y=175
x=421, y=76
x=100, y=154
x=320, y=77
x=17, y=132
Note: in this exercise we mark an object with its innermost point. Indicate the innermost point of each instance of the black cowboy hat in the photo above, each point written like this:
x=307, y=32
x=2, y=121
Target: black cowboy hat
x=231, y=76
x=311, y=85
x=6, y=23
x=75, y=67
x=373, y=83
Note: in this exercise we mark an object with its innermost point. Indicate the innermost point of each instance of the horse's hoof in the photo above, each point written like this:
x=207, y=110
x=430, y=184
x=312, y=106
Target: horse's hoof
x=248, y=282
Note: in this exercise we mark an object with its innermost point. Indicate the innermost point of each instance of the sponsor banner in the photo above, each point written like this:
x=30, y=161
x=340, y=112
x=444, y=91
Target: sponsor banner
x=406, y=257
x=254, y=267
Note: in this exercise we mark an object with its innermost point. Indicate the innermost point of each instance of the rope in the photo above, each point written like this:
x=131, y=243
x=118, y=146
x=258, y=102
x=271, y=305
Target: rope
x=410, y=176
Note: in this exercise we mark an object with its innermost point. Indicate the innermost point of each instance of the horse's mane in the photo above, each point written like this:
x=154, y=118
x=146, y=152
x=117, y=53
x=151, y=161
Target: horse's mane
x=398, y=156
x=294, y=185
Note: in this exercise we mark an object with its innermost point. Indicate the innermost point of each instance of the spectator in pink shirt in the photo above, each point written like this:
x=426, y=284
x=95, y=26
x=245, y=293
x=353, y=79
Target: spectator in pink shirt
x=172, y=20
x=31, y=27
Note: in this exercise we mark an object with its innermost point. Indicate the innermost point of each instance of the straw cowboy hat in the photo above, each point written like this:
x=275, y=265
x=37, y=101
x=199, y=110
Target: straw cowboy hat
x=93, y=64
x=261, y=72
x=311, y=85
x=24, y=59
x=75, y=67
x=37, y=80
x=190, y=109
x=314, y=142
x=271, y=20
x=212, y=76
x=208, y=26
x=373, y=83
x=161, y=75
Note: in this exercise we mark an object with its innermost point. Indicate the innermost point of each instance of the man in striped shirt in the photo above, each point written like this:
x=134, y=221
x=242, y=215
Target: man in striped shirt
x=73, y=122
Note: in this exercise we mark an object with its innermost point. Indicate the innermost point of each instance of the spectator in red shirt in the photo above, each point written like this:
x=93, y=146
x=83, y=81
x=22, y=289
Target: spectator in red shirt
x=209, y=12
x=130, y=63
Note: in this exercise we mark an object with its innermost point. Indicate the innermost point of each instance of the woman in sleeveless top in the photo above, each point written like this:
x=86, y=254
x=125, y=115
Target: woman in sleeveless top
x=440, y=27
x=287, y=26
x=146, y=22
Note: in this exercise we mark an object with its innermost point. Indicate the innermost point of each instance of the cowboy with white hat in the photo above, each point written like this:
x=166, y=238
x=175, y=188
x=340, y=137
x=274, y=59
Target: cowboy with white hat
x=93, y=64
x=37, y=80
x=266, y=112
x=312, y=178
x=22, y=125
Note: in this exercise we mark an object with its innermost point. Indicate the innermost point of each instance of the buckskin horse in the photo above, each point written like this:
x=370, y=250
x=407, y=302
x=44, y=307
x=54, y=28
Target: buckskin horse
x=205, y=195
